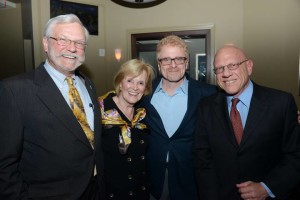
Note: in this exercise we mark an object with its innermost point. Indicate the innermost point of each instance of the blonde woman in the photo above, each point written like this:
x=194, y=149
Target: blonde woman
x=124, y=136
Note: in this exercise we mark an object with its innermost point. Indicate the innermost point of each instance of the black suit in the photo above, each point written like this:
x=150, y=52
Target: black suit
x=44, y=153
x=269, y=150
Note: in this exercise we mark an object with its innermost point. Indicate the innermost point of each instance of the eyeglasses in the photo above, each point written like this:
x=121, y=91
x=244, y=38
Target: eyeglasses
x=230, y=67
x=168, y=61
x=66, y=42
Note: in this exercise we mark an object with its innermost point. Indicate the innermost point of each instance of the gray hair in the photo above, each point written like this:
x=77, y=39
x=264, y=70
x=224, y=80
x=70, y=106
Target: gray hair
x=64, y=19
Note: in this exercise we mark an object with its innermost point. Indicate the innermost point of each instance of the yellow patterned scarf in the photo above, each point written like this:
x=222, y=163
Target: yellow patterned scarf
x=112, y=117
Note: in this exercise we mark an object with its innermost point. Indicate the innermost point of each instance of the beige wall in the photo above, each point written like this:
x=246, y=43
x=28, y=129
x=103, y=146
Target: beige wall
x=116, y=21
x=11, y=42
x=95, y=66
x=272, y=40
x=173, y=14
x=267, y=29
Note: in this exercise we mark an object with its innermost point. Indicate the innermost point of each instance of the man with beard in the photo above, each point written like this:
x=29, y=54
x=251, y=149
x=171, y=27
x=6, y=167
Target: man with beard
x=171, y=110
x=48, y=151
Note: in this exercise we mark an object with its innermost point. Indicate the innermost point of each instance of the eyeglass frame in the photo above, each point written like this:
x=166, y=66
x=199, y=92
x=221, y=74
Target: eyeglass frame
x=229, y=67
x=68, y=42
x=173, y=59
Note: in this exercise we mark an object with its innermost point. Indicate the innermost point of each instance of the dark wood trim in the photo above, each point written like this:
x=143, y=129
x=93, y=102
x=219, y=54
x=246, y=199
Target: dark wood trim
x=186, y=34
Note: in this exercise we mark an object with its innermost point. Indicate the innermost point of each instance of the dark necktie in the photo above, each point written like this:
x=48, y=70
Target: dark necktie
x=78, y=110
x=236, y=121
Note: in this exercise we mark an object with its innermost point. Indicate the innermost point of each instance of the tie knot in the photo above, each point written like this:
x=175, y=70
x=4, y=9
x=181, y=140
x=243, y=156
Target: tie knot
x=234, y=102
x=69, y=80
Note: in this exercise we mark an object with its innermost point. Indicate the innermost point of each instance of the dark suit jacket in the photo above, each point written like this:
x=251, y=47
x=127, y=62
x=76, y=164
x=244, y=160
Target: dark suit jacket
x=44, y=153
x=179, y=146
x=269, y=151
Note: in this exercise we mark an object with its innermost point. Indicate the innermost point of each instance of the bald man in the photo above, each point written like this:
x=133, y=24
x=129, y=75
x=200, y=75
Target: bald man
x=263, y=162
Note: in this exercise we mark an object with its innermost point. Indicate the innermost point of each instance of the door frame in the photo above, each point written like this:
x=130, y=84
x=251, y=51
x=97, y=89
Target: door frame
x=206, y=30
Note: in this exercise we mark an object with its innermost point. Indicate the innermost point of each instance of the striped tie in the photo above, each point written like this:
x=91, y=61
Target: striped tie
x=78, y=110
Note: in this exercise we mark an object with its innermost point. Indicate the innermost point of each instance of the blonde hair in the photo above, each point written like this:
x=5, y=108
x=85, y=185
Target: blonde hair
x=134, y=67
x=172, y=40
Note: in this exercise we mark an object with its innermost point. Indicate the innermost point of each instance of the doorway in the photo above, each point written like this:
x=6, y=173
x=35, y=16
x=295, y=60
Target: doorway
x=199, y=42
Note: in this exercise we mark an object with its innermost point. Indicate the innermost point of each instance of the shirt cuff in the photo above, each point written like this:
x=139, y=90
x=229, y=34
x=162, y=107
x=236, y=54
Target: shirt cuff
x=268, y=190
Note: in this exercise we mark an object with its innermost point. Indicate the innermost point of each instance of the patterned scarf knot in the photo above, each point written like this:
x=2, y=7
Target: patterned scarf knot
x=112, y=118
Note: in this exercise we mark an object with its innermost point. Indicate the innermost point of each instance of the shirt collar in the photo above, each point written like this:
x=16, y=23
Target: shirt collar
x=56, y=75
x=183, y=87
x=245, y=96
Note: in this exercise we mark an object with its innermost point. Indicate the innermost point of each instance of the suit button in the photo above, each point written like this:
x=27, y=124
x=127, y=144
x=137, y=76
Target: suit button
x=111, y=195
x=143, y=188
x=142, y=157
x=130, y=193
x=129, y=159
x=142, y=141
x=129, y=176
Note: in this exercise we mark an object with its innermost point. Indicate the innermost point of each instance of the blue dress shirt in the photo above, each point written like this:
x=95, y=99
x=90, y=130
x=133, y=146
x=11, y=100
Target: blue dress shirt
x=171, y=108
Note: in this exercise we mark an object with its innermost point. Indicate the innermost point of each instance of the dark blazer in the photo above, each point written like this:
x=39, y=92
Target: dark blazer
x=44, y=153
x=179, y=146
x=269, y=151
x=125, y=177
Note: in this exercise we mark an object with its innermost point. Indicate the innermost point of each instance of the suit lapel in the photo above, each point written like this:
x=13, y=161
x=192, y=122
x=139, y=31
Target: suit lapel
x=97, y=119
x=191, y=106
x=89, y=87
x=255, y=115
x=152, y=112
x=221, y=111
x=194, y=95
x=50, y=95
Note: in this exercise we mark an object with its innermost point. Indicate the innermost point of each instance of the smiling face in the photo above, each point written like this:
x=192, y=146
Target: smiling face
x=132, y=88
x=67, y=58
x=234, y=81
x=172, y=72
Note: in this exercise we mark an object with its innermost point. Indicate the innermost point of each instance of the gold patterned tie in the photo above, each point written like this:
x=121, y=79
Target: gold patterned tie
x=78, y=110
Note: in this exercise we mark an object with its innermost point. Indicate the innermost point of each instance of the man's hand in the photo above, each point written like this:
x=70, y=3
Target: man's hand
x=252, y=191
